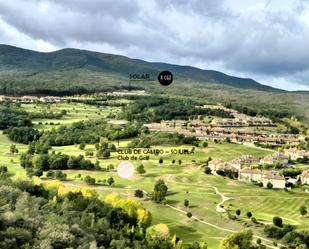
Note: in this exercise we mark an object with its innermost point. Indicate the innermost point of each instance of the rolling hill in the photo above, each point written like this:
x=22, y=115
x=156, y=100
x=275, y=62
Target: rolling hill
x=73, y=71
x=18, y=62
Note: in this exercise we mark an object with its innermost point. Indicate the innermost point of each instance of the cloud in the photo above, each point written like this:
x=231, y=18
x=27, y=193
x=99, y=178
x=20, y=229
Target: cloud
x=266, y=40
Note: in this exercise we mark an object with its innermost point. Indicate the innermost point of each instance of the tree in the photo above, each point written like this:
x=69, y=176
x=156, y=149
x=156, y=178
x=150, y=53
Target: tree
x=249, y=214
x=160, y=191
x=238, y=212
x=112, y=147
x=207, y=170
x=277, y=221
x=97, y=165
x=239, y=240
x=110, y=181
x=303, y=210
x=82, y=146
x=141, y=169
x=186, y=203
x=189, y=215
x=161, y=160
x=110, y=167
x=13, y=148
x=269, y=185
x=259, y=241
x=40, y=162
x=89, y=180
x=139, y=193
x=4, y=173
x=179, y=162
x=62, y=176
x=159, y=232
x=3, y=169
x=50, y=174
x=106, y=154
x=204, y=144
x=196, y=245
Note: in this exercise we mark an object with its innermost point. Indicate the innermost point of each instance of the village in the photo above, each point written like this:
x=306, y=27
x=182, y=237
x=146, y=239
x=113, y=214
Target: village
x=244, y=129
x=226, y=130
x=239, y=129
x=262, y=170
x=30, y=99
x=248, y=168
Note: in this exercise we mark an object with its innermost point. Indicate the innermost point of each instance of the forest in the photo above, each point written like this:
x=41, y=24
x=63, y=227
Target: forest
x=52, y=216
x=155, y=109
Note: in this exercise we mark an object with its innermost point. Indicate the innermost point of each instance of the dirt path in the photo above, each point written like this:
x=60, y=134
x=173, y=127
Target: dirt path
x=220, y=209
x=224, y=199
x=269, y=242
x=202, y=221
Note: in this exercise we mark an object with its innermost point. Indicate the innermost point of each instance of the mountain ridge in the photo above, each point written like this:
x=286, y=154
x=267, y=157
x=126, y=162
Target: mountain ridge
x=26, y=60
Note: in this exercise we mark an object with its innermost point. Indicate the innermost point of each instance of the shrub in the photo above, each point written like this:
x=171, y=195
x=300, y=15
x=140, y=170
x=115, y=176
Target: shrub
x=89, y=180
x=139, y=193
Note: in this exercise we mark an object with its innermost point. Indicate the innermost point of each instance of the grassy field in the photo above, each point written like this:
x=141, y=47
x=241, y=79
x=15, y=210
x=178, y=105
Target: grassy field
x=75, y=112
x=11, y=160
x=185, y=181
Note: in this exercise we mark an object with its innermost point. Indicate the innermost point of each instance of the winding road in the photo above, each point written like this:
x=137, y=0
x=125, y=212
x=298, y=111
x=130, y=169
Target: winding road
x=220, y=209
x=267, y=242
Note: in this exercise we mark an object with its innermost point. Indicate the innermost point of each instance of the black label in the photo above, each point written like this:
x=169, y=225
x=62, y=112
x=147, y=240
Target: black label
x=165, y=78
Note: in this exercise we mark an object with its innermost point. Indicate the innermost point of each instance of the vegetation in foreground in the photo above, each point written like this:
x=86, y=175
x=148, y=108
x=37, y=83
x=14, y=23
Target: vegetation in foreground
x=81, y=146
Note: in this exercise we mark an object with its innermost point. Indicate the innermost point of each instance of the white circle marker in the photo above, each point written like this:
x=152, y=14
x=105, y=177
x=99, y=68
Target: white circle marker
x=125, y=169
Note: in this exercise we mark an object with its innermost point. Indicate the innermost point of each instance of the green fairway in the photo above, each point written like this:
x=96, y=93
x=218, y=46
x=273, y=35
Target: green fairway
x=11, y=160
x=183, y=174
x=187, y=181
x=75, y=112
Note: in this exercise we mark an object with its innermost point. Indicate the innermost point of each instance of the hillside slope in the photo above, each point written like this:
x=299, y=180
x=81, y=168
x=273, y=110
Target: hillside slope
x=73, y=71
x=18, y=64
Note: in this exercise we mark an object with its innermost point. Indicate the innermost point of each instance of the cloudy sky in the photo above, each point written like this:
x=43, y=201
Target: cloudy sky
x=267, y=40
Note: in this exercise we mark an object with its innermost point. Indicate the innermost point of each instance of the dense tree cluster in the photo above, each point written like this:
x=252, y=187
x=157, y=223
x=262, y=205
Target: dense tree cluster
x=159, y=138
x=272, y=113
x=88, y=132
x=48, y=115
x=240, y=240
x=23, y=134
x=11, y=116
x=155, y=109
x=33, y=216
x=57, y=174
x=287, y=234
x=227, y=172
x=104, y=149
x=35, y=164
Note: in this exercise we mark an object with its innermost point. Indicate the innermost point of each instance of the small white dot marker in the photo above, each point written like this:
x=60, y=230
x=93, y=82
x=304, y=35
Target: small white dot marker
x=125, y=169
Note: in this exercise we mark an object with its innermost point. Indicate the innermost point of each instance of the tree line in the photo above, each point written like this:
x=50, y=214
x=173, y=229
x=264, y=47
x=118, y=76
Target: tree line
x=53, y=217
x=155, y=109
x=36, y=164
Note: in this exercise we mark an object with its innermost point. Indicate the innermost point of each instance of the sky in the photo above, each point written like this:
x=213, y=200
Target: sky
x=267, y=40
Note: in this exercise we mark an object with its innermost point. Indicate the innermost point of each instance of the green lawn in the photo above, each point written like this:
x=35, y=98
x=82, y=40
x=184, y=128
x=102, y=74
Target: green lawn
x=11, y=160
x=75, y=112
x=187, y=181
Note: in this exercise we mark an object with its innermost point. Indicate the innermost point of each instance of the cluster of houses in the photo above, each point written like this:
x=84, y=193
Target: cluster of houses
x=30, y=99
x=295, y=153
x=244, y=166
x=239, y=122
x=128, y=93
x=222, y=122
x=214, y=132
